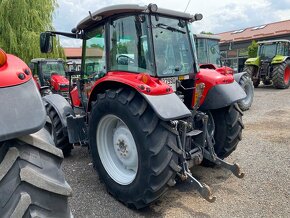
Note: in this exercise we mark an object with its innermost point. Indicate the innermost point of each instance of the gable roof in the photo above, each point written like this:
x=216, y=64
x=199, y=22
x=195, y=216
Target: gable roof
x=256, y=32
x=77, y=52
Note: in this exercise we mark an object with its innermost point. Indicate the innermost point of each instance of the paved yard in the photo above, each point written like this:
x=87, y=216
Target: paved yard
x=263, y=154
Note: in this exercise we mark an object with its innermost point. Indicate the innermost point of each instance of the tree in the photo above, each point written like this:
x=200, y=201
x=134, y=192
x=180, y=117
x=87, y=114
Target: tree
x=253, y=49
x=21, y=22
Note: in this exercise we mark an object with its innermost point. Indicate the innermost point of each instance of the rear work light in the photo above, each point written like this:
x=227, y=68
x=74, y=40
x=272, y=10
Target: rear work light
x=3, y=57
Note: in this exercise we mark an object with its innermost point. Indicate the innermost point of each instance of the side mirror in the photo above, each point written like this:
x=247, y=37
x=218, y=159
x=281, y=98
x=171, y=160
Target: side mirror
x=46, y=42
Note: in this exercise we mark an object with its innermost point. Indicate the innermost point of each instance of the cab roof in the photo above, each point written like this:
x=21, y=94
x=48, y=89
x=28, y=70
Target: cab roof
x=103, y=13
x=273, y=41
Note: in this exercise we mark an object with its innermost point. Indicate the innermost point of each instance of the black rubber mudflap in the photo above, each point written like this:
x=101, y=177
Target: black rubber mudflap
x=32, y=183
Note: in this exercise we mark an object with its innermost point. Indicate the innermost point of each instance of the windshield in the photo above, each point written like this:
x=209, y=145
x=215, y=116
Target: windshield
x=172, y=48
x=56, y=67
x=213, y=52
x=208, y=51
x=267, y=50
x=129, y=47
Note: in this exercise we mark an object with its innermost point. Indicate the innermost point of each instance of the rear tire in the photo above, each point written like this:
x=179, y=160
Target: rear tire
x=252, y=71
x=56, y=129
x=151, y=162
x=247, y=84
x=281, y=75
x=32, y=183
x=228, y=129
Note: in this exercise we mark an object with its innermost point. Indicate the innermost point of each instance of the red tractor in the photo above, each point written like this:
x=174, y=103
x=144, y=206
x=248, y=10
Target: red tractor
x=209, y=57
x=143, y=133
x=50, y=76
x=31, y=180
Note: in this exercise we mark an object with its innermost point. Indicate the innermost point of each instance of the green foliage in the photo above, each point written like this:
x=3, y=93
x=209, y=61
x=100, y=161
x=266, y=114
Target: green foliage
x=208, y=33
x=21, y=22
x=253, y=49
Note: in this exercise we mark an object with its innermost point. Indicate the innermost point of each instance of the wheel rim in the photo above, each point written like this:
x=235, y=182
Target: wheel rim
x=117, y=149
x=287, y=75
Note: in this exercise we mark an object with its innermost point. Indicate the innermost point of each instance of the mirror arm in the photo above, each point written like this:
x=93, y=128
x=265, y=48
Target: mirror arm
x=70, y=35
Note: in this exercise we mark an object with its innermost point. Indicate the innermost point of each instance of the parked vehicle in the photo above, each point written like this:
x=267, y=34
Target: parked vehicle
x=209, y=57
x=50, y=76
x=272, y=65
x=142, y=132
x=31, y=180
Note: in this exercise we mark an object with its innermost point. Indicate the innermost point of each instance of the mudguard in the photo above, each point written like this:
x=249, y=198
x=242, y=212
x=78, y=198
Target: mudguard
x=61, y=106
x=223, y=95
x=22, y=111
x=167, y=107
x=237, y=76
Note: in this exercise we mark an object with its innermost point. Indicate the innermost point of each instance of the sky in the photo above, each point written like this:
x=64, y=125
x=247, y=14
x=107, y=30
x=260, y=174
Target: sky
x=218, y=15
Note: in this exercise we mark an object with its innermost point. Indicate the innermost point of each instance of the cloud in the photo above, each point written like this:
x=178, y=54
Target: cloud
x=219, y=16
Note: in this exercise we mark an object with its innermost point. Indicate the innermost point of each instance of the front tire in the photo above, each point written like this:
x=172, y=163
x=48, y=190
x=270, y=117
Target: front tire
x=56, y=129
x=32, y=183
x=132, y=151
x=247, y=84
x=228, y=129
x=281, y=75
x=252, y=72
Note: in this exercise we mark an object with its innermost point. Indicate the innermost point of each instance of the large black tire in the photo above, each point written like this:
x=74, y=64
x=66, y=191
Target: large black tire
x=281, y=75
x=247, y=84
x=156, y=149
x=32, y=183
x=252, y=71
x=228, y=129
x=56, y=128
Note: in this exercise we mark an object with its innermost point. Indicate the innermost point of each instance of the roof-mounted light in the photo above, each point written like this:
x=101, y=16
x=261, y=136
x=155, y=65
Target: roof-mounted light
x=152, y=7
x=3, y=57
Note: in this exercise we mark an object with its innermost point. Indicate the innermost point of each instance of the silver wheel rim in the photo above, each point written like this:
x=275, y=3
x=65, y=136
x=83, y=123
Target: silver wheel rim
x=117, y=149
x=210, y=125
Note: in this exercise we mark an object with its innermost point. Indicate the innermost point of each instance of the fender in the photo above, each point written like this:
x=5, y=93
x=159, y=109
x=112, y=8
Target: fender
x=278, y=59
x=167, y=107
x=61, y=106
x=237, y=76
x=159, y=95
x=223, y=95
x=22, y=112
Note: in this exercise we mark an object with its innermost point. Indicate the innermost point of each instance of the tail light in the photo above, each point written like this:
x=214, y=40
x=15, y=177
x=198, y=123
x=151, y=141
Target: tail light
x=3, y=57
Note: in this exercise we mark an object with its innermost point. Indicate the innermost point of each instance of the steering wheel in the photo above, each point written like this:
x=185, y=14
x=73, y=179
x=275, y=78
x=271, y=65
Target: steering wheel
x=125, y=60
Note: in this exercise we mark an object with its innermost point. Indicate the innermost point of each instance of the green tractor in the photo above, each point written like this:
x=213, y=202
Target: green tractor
x=272, y=65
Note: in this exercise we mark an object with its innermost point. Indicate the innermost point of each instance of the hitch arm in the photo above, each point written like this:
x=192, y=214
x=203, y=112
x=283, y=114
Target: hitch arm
x=234, y=168
x=203, y=189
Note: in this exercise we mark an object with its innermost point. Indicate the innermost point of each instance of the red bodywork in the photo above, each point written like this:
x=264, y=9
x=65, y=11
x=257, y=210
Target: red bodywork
x=223, y=70
x=153, y=86
x=14, y=72
x=211, y=78
x=56, y=80
x=143, y=83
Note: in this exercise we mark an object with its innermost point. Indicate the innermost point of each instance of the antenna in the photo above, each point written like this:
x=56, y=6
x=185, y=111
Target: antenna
x=187, y=5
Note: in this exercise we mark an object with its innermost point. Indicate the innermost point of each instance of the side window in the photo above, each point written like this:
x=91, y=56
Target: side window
x=95, y=55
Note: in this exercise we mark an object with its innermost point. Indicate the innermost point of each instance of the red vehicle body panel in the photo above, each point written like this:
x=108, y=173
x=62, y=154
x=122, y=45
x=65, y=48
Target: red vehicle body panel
x=151, y=86
x=12, y=70
x=211, y=78
x=56, y=80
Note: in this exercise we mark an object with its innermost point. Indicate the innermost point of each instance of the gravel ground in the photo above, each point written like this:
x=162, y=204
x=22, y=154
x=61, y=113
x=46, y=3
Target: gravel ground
x=263, y=155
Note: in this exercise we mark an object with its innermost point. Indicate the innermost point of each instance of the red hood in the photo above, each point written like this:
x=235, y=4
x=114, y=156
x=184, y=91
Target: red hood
x=59, y=79
x=59, y=82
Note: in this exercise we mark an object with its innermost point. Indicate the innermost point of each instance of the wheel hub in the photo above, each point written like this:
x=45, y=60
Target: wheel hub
x=124, y=146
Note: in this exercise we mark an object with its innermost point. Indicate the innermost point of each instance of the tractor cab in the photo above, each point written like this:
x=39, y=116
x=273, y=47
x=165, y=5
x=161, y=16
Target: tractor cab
x=49, y=75
x=268, y=50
